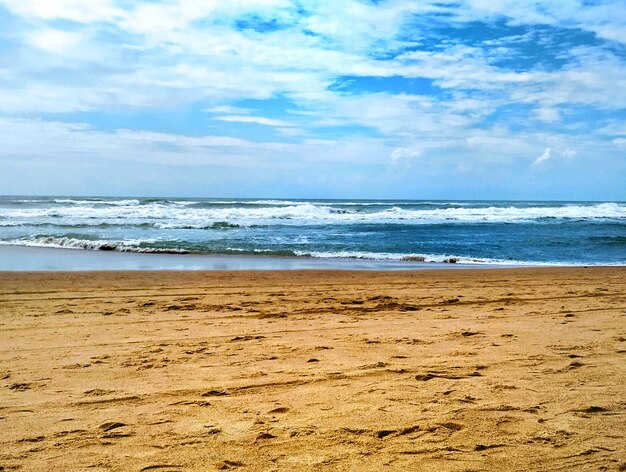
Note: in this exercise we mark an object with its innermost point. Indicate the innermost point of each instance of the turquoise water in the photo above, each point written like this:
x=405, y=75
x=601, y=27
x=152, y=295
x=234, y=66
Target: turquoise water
x=469, y=232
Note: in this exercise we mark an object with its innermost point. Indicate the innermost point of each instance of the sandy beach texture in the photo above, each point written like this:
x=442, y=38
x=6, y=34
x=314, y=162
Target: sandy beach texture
x=516, y=369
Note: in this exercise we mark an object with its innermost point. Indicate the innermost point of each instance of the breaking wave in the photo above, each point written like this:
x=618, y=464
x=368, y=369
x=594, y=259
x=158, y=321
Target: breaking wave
x=217, y=216
x=167, y=247
x=67, y=242
x=411, y=232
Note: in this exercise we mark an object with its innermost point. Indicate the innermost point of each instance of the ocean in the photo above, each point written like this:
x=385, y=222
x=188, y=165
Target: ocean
x=414, y=233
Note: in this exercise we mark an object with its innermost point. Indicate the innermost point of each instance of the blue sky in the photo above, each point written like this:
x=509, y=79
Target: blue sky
x=475, y=99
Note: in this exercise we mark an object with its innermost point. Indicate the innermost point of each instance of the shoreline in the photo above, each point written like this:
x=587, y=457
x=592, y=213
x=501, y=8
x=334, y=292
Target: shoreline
x=34, y=259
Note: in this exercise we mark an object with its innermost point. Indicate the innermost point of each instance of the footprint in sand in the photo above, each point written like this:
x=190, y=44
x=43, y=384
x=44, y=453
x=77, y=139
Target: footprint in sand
x=246, y=338
x=162, y=468
x=446, y=375
x=215, y=393
x=111, y=425
x=32, y=439
x=76, y=366
x=228, y=464
x=97, y=392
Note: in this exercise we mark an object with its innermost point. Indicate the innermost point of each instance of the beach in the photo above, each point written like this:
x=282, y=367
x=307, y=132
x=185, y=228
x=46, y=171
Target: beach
x=482, y=369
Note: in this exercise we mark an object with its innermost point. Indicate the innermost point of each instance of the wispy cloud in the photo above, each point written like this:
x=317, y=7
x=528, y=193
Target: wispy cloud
x=546, y=156
x=259, y=120
x=228, y=109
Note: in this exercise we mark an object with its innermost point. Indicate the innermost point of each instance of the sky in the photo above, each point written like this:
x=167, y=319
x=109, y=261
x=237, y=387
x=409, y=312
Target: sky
x=474, y=99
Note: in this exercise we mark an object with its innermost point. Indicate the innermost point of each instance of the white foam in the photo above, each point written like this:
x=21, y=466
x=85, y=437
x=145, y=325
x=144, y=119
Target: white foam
x=387, y=256
x=72, y=201
x=133, y=245
x=181, y=216
x=64, y=242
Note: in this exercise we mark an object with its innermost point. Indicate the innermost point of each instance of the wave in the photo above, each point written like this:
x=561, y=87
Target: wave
x=96, y=201
x=180, y=216
x=151, y=246
x=146, y=246
x=67, y=242
x=610, y=240
x=82, y=224
x=414, y=258
x=217, y=225
x=220, y=225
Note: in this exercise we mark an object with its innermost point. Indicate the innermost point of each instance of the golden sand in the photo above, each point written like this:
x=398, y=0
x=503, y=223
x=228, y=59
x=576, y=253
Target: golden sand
x=462, y=370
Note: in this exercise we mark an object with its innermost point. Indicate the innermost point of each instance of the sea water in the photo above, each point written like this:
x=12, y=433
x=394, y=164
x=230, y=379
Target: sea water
x=414, y=232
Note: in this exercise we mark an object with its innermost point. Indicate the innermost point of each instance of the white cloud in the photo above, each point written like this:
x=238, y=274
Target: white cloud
x=402, y=159
x=228, y=109
x=614, y=128
x=548, y=115
x=399, y=154
x=568, y=153
x=57, y=141
x=74, y=10
x=620, y=142
x=291, y=132
x=259, y=120
x=602, y=18
x=155, y=56
x=55, y=41
x=594, y=79
x=546, y=156
x=150, y=53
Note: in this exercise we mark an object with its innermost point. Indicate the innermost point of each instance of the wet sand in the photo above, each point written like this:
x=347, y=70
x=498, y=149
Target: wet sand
x=461, y=370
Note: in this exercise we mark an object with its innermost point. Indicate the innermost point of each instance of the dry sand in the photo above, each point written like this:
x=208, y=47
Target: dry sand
x=437, y=370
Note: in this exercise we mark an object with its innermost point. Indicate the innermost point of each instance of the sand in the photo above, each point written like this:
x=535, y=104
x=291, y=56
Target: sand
x=468, y=370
